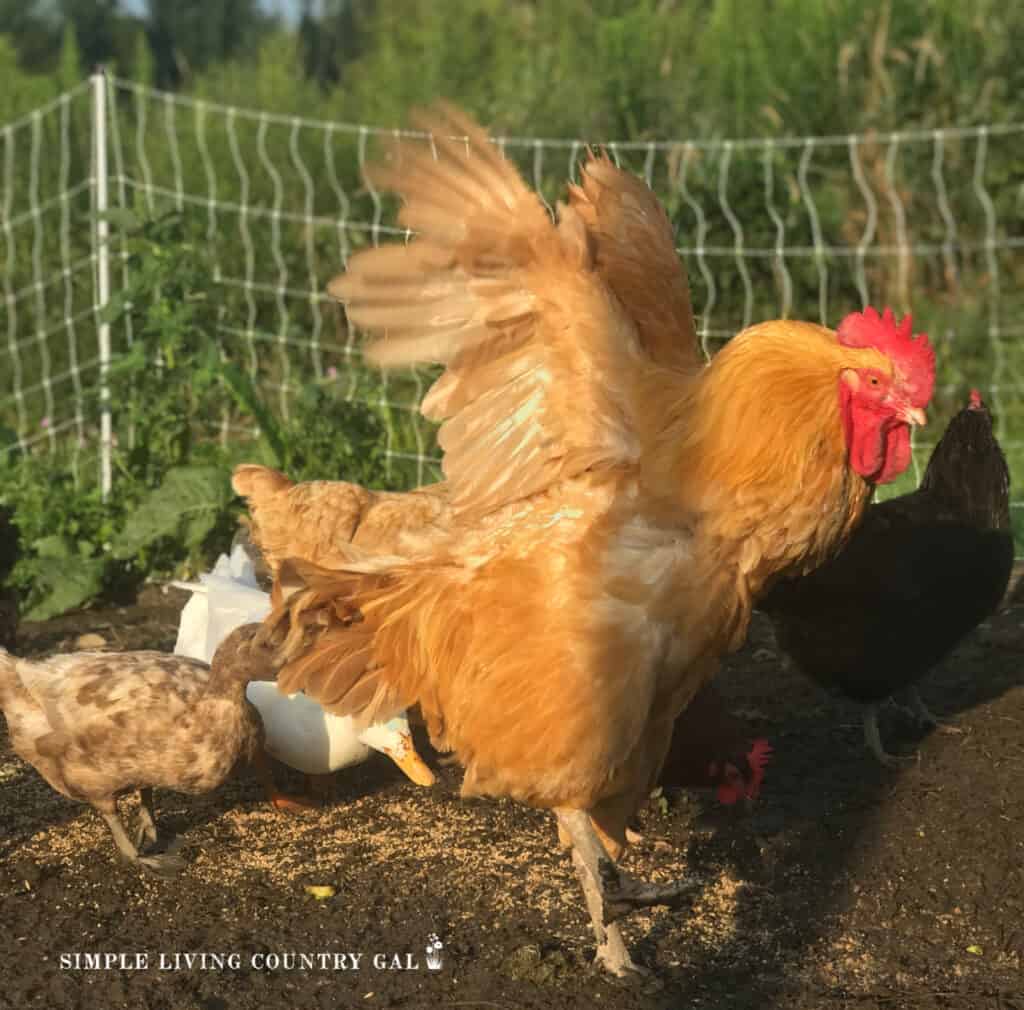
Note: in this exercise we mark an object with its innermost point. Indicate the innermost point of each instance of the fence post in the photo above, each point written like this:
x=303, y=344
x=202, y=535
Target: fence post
x=102, y=251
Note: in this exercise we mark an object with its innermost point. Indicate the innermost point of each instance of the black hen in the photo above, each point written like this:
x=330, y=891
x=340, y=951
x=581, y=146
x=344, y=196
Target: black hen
x=8, y=596
x=920, y=572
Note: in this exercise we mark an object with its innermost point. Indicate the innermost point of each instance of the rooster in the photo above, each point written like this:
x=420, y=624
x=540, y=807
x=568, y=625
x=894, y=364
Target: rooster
x=314, y=520
x=920, y=572
x=617, y=505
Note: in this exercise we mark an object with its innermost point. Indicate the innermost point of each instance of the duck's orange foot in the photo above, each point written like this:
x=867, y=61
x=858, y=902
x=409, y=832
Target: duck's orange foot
x=293, y=804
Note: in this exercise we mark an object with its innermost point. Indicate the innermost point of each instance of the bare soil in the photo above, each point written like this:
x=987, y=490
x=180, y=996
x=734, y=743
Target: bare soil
x=848, y=885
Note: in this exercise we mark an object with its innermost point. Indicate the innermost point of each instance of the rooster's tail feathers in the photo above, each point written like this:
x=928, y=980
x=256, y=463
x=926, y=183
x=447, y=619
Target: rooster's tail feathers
x=328, y=622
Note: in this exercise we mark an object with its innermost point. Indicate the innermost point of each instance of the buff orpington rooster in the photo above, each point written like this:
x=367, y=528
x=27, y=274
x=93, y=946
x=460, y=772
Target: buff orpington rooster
x=616, y=504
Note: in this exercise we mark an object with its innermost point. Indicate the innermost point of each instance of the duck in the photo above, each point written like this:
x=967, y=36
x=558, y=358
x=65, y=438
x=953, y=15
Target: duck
x=299, y=733
x=97, y=725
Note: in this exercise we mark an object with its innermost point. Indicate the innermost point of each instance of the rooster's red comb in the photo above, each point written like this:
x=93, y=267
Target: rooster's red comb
x=976, y=402
x=911, y=354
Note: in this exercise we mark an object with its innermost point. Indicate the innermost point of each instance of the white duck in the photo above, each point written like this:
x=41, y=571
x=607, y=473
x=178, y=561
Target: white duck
x=299, y=733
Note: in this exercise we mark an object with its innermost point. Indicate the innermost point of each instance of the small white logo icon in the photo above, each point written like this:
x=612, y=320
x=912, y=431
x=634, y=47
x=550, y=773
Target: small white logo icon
x=434, y=956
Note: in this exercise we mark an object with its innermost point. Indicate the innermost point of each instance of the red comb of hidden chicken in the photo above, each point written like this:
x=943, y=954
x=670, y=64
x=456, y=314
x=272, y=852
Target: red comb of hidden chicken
x=738, y=783
x=711, y=749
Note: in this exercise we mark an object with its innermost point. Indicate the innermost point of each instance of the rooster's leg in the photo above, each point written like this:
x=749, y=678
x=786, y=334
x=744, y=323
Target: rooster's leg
x=146, y=834
x=167, y=864
x=633, y=837
x=873, y=741
x=610, y=893
x=611, y=948
x=925, y=717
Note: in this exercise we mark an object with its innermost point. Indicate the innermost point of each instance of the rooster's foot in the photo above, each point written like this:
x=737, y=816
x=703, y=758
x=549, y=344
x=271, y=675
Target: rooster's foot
x=610, y=893
x=624, y=894
x=615, y=959
x=897, y=761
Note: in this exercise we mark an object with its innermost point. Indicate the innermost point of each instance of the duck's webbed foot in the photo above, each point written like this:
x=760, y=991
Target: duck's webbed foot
x=277, y=799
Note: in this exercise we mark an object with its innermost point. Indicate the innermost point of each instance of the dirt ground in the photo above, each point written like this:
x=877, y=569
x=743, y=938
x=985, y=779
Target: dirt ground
x=847, y=886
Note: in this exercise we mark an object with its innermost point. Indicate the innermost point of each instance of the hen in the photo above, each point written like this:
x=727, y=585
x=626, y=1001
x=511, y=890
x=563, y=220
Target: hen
x=616, y=505
x=8, y=596
x=97, y=724
x=711, y=749
x=920, y=572
x=316, y=520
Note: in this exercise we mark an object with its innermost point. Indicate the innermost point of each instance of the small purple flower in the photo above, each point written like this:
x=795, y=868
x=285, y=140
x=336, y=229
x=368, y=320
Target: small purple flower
x=44, y=423
x=332, y=373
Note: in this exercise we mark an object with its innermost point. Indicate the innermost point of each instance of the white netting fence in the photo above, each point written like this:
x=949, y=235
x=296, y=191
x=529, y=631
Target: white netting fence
x=808, y=227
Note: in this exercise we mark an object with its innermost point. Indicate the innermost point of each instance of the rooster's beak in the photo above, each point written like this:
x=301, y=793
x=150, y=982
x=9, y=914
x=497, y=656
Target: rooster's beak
x=913, y=415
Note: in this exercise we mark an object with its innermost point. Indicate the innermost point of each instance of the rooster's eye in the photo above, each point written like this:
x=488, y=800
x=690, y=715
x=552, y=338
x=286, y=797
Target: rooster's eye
x=873, y=380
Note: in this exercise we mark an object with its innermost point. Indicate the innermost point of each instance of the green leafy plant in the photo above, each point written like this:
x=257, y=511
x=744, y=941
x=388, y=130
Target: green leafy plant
x=185, y=507
x=171, y=390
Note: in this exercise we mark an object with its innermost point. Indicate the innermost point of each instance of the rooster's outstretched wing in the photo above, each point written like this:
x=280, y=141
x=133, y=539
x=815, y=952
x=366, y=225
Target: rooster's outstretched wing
x=542, y=356
x=635, y=253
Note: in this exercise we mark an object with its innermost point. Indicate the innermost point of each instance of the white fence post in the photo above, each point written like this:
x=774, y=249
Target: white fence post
x=102, y=250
